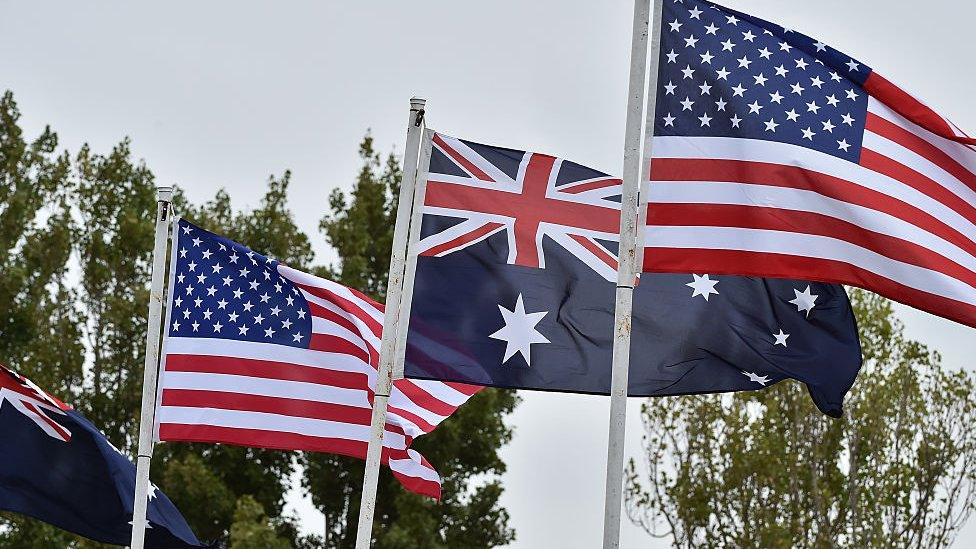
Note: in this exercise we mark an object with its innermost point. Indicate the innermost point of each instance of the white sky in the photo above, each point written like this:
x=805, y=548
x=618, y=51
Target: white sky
x=222, y=94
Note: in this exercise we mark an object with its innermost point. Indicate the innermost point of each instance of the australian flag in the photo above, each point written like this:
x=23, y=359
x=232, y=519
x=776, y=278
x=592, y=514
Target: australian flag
x=57, y=467
x=515, y=281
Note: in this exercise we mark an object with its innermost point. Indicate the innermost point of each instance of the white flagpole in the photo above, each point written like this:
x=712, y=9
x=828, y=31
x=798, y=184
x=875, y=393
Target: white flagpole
x=394, y=291
x=628, y=267
x=150, y=376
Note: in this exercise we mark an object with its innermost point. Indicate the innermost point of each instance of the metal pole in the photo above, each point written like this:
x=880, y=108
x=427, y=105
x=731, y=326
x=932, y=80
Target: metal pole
x=394, y=290
x=164, y=196
x=628, y=269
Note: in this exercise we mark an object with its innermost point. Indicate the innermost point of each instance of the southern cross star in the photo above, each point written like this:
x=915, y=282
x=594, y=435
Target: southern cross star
x=702, y=286
x=519, y=332
x=805, y=301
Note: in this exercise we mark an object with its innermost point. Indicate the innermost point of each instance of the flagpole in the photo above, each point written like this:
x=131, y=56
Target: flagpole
x=628, y=267
x=394, y=291
x=150, y=375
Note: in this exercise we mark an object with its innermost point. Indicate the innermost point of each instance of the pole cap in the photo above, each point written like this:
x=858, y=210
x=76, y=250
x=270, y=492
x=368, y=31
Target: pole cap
x=164, y=194
x=417, y=103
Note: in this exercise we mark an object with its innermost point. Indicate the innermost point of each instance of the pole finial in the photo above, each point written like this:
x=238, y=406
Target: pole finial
x=164, y=194
x=417, y=103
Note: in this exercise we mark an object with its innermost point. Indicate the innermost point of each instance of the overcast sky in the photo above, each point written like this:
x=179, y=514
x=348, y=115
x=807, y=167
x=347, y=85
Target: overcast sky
x=222, y=94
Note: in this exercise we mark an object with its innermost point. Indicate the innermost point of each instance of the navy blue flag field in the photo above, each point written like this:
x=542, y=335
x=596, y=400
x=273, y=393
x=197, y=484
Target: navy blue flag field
x=514, y=288
x=57, y=467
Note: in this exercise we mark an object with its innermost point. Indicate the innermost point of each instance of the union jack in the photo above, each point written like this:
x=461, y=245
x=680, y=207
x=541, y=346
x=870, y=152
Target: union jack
x=30, y=400
x=528, y=195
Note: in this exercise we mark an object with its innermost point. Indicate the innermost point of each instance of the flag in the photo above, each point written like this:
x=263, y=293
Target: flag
x=515, y=280
x=57, y=467
x=259, y=354
x=777, y=155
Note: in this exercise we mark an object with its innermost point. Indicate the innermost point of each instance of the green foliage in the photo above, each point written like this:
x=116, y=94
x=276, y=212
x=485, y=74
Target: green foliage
x=765, y=469
x=76, y=237
x=360, y=229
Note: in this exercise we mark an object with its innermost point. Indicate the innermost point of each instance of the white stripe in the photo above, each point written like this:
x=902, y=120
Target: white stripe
x=753, y=150
x=242, y=419
x=259, y=386
x=961, y=153
x=813, y=246
x=414, y=467
x=456, y=231
x=204, y=347
x=501, y=186
x=327, y=327
x=441, y=391
x=370, y=309
x=400, y=400
x=364, y=330
x=911, y=159
x=767, y=196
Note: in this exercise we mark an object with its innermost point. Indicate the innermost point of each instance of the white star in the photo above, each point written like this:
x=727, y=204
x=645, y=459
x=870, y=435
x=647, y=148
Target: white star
x=233, y=317
x=705, y=120
x=519, y=332
x=705, y=88
x=695, y=13
x=835, y=77
x=207, y=314
x=755, y=107
x=183, y=252
x=804, y=301
x=775, y=97
x=192, y=266
x=851, y=95
x=178, y=301
x=848, y=119
x=801, y=64
x=207, y=254
x=286, y=324
x=711, y=29
x=234, y=257
x=187, y=229
x=176, y=325
x=783, y=46
x=809, y=133
x=762, y=380
x=275, y=311
x=201, y=278
x=732, y=20
x=238, y=293
x=813, y=107
x=771, y=125
x=748, y=36
x=744, y=62
x=707, y=57
x=852, y=66
x=828, y=126
x=217, y=327
x=297, y=338
x=735, y=120
x=248, y=307
x=253, y=284
x=672, y=57
x=669, y=120
x=765, y=53
x=196, y=242
x=820, y=45
x=782, y=71
x=691, y=41
x=211, y=290
x=217, y=268
x=244, y=272
x=269, y=332
x=222, y=304
x=843, y=145
x=243, y=330
x=702, y=286
x=781, y=338
x=290, y=300
x=197, y=302
x=669, y=88
x=675, y=25
x=727, y=45
x=797, y=88
x=186, y=314
x=720, y=104
x=688, y=72
x=723, y=74
x=227, y=280
x=258, y=319
x=738, y=91
x=265, y=297
x=687, y=104
x=301, y=314
x=180, y=278
x=196, y=326
x=760, y=79
x=832, y=100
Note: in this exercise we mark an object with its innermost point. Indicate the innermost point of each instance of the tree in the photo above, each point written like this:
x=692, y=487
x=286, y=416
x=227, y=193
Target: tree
x=765, y=469
x=252, y=529
x=360, y=230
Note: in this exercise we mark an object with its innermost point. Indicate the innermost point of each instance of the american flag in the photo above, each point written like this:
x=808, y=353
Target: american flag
x=777, y=155
x=260, y=354
x=528, y=196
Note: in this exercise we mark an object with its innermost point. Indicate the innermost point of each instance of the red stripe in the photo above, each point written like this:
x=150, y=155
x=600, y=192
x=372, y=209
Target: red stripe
x=424, y=399
x=464, y=388
x=576, y=188
x=460, y=159
x=291, y=441
x=923, y=148
x=904, y=104
x=264, y=369
x=346, y=305
x=770, y=265
x=596, y=250
x=424, y=425
x=777, y=219
x=903, y=174
x=335, y=344
x=466, y=238
x=332, y=316
x=221, y=400
x=778, y=175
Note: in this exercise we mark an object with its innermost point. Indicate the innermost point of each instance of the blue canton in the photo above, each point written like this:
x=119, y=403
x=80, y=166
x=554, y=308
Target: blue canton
x=225, y=290
x=727, y=74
